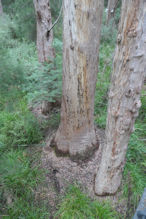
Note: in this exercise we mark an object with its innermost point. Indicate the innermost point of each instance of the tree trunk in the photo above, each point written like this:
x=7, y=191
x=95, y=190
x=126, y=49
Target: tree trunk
x=111, y=10
x=82, y=22
x=124, y=98
x=1, y=8
x=44, y=36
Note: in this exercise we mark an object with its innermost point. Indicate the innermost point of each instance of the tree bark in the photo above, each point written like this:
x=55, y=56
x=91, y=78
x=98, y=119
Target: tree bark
x=124, y=98
x=44, y=36
x=111, y=10
x=81, y=26
x=1, y=8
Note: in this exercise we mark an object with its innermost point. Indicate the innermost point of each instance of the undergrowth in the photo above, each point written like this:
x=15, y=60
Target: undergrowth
x=18, y=128
x=76, y=205
x=19, y=181
x=19, y=176
x=103, y=82
x=134, y=172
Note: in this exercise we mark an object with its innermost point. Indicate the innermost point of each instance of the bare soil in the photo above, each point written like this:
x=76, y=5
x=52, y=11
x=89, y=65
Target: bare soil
x=61, y=172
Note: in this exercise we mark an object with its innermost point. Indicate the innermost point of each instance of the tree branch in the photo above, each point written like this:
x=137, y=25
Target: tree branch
x=57, y=18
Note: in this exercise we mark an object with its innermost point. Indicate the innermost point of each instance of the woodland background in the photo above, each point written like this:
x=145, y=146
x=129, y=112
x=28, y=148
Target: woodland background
x=24, y=84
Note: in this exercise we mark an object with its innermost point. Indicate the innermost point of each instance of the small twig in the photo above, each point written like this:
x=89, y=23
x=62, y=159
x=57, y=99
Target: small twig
x=57, y=18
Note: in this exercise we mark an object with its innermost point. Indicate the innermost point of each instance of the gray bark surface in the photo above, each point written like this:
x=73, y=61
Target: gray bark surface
x=1, y=8
x=44, y=36
x=111, y=9
x=81, y=26
x=129, y=69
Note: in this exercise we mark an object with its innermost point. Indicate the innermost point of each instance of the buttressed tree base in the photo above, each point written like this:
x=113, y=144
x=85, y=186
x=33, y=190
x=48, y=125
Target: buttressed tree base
x=81, y=27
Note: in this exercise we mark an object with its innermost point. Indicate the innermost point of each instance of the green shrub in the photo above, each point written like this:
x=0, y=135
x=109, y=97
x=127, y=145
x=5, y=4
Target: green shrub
x=76, y=205
x=44, y=82
x=19, y=181
x=11, y=74
x=26, y=209
x=16, y=173
x=103, y=82
x=19, y=128
x=108, y=32
x=134, y=171
x=6, y=32
x=23, y=15
x=11, y=69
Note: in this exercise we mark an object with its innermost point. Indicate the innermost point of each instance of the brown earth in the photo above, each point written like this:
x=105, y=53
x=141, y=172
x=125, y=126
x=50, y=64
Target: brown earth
x=61, y=172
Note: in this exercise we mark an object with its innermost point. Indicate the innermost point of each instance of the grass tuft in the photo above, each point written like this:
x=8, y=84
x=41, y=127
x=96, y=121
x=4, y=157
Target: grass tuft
x=76, y=205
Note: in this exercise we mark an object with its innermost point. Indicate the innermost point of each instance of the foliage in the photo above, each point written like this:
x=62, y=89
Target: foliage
x=22, y=14
x=108, y=32
x=16, y=173
x=19, y=128
x=76, y=205
x=45, y=81
x=103, y=82
x=18, y=182
x=23, y=73
x=27, y=209
x=6, y=32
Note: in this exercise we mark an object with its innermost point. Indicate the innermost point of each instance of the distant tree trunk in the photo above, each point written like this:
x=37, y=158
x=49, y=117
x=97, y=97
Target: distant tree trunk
x=129, y=69
x=44, y=36
x=82, y=22
x=111, y=9
x=1, y=8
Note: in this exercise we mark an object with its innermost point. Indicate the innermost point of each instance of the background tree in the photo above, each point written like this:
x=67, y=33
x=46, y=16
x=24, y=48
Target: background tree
x=1, y=8
x=44, y=37
x=82, y=22
x=44, y=34
x=124, y=98
x=112, y=4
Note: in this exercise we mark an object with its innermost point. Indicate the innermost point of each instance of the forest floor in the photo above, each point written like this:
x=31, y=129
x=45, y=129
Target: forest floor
x=63, y=172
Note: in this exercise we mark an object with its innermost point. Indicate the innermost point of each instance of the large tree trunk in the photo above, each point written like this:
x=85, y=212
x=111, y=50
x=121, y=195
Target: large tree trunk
x=44, y=36
x=111, y=9
x=82, y=22
x=124, y=98
x=1, y=8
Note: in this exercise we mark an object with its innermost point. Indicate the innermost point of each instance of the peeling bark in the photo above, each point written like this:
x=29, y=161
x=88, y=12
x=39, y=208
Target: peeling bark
x=44, y=36
x=111, y=9
x=129, y=69
x=82, y=22
x=1, y=8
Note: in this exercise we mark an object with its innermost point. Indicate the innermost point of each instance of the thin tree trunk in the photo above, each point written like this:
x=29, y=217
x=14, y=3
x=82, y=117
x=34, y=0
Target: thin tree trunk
x=111, y=9
x=44, y=36
x=1, y=8
x=129, y=69
x=82, y=22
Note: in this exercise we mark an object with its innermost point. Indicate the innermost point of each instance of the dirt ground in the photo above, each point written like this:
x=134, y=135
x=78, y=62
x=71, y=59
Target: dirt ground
x=62, y=172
